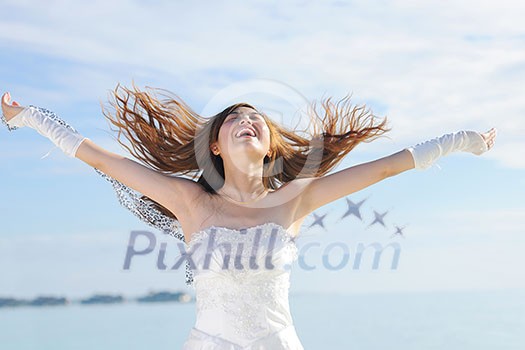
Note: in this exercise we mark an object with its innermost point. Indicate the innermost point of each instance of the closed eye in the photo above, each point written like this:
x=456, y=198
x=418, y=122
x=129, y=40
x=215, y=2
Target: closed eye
x=253, y=116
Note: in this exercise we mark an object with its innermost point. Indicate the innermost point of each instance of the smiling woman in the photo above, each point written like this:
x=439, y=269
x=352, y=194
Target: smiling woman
x=257, y=181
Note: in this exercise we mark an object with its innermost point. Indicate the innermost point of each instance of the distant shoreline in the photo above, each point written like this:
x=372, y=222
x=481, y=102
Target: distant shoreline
x=97, y=299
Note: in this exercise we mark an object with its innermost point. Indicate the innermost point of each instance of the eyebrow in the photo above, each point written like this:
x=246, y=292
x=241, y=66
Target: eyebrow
x=252, y=113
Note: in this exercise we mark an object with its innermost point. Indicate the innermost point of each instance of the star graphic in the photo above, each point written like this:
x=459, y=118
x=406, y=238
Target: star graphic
x=399, y=231
x=378, y=218
x=353, y=209
x=318, y=220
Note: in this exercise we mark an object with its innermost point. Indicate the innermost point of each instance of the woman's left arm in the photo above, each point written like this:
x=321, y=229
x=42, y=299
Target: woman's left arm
x=323, y=190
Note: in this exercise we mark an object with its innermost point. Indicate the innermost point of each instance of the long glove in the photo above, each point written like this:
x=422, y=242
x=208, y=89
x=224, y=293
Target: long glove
x=49, y=125
x=426, y=153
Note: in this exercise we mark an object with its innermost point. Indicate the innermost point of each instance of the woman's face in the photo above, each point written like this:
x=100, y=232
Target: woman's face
x=244, y=131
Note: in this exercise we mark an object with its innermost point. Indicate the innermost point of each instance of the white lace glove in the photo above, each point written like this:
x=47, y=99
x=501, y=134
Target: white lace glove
x=426, y=153
x=48, y=124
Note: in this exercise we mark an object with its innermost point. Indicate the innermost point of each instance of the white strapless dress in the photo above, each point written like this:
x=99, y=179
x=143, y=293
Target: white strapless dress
x=242, y=279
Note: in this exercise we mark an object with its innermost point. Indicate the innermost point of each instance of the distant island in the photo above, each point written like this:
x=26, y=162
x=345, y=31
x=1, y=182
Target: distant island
x=165, y=297
x=152, y=297
x=103, y=299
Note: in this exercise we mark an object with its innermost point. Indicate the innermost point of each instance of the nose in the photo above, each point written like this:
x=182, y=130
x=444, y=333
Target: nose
x=245, y=118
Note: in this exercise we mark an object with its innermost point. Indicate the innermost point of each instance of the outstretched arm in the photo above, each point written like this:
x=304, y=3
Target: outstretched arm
x=173, y=193
x=323, y=190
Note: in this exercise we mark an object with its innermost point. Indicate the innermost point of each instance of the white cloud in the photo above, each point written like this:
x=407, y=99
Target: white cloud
x=436, y=66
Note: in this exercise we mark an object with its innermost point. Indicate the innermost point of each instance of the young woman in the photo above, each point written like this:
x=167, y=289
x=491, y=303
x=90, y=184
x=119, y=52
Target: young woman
x=257, y=181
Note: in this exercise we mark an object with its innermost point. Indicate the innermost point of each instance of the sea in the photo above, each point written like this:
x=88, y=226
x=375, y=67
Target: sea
x=422, y=320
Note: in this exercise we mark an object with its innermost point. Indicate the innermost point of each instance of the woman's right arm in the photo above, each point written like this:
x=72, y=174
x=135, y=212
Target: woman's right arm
x=174, y=193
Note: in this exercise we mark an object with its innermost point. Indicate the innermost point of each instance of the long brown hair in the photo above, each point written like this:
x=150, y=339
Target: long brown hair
x=169, y=137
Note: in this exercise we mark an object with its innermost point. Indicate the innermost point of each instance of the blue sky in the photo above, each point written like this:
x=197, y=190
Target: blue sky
x=431, y=68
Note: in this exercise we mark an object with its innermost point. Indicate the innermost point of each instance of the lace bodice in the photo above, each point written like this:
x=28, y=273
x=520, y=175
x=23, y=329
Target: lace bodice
x=242, y=279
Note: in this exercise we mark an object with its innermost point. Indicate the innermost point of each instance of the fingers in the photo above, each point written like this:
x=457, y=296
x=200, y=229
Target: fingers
x=9, y=109
x=491, y=137
x=6, y=98
x=6, y=101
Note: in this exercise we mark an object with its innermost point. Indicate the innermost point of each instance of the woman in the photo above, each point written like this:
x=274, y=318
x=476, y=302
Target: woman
x=257, y=181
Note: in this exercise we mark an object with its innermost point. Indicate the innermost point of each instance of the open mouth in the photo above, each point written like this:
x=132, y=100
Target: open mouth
x=246, y=133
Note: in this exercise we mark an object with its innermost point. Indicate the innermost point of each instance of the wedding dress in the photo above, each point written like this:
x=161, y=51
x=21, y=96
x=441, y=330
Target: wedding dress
x=243, y=305
x=241, y=279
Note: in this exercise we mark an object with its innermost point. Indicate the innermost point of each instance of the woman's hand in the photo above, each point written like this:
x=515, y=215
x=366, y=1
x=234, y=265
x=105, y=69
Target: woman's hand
x=10, y=110
x=490, y=137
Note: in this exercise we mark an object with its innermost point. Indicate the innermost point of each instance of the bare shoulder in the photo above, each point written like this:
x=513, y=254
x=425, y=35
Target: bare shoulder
x=186, y=193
